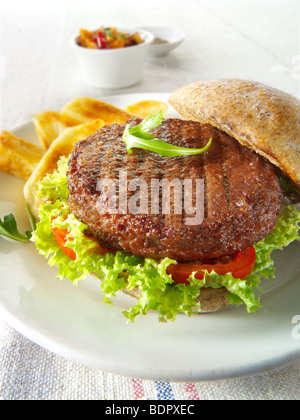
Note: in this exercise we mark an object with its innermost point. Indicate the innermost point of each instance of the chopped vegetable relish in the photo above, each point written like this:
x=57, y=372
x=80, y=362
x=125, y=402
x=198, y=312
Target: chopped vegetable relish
x=108, y=37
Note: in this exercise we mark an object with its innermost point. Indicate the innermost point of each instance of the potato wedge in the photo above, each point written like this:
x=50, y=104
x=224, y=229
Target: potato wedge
x=48, y=126
x=62, y=146
x=84, y=109
x=17, y=156
x=143, y=109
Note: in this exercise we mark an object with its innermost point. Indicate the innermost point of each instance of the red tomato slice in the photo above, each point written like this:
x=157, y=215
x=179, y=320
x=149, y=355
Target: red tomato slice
x=101, y=40
x=240, y=266
x=61, y=238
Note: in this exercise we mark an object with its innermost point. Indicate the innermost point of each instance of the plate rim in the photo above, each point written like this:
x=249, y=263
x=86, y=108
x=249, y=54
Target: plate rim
x=41, y=339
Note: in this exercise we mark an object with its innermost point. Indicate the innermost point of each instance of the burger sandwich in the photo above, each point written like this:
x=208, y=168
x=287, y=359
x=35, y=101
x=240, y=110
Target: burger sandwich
x=181, y=213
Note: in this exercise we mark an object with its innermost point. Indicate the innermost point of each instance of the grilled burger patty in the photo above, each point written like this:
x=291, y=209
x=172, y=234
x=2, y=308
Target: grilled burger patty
x=242, y=195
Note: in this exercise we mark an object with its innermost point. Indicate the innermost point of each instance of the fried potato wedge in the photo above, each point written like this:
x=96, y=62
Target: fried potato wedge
x=17, y=156
x=48, y=126
x=143, y=109
x=62, y=146
x=84, y=109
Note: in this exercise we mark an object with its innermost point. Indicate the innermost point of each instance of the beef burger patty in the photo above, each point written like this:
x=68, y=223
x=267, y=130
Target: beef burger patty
x=242, y=195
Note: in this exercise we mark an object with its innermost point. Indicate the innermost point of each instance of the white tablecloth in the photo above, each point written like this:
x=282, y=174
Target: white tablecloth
x=29, y=372
x=252, y=39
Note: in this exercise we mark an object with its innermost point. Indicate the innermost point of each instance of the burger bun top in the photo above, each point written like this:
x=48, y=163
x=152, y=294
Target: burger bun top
x=259, y=116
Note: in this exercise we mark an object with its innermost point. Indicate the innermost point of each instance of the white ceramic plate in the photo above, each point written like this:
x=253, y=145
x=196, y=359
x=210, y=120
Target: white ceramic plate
x=72, y=321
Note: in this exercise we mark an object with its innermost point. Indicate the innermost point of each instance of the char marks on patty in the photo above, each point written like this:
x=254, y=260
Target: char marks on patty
x=242, y=195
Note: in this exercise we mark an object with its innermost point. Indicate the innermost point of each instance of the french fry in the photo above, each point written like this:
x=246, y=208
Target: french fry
x=58, y=133
x=17, y=156
x=84, y=109
x=62, y=146
x=48, y=125
x=143, y=109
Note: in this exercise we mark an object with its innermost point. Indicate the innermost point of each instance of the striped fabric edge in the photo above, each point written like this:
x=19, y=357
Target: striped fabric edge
x=160, y=390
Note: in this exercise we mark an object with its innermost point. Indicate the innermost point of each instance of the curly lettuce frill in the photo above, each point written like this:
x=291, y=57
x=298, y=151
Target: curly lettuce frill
x=119, y=271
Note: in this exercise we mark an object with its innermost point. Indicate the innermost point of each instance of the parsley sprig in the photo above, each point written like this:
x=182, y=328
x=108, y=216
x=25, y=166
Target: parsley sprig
x=139, y=137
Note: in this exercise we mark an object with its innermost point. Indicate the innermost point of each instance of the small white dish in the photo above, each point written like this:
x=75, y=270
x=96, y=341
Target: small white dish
x=113, y=68
x=173, y=37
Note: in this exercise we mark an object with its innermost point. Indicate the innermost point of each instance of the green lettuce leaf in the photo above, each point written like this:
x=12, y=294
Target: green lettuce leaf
x=119, y=271
x=139, y=137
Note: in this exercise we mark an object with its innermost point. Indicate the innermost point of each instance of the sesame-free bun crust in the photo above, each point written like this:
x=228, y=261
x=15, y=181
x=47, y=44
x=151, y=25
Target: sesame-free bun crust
x=211, y=300
x=258, y=116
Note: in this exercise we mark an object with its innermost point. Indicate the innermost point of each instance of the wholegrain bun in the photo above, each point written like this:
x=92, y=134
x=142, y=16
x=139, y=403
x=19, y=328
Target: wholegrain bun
x=258, y=116
x=211, y=300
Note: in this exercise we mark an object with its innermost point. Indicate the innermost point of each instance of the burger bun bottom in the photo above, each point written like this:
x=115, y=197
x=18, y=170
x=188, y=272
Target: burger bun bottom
x=211, y=300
